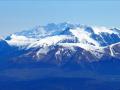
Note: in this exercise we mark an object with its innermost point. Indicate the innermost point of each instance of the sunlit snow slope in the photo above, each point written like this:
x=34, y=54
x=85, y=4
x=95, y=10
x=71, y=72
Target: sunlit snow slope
x=65, y=40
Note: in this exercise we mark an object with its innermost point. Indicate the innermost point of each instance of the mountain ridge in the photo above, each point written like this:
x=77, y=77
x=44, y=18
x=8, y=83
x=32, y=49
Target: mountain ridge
x=63, y=43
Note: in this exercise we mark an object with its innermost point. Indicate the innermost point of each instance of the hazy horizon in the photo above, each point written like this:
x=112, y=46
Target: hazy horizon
x=21, y=15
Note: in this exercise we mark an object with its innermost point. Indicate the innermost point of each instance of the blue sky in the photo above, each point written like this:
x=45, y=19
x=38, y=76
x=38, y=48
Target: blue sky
x=25, y=14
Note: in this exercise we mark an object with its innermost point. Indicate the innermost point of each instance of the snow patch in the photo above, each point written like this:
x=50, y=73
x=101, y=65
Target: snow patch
x=98, y=30
x=20, y=40
x=47, y=41
x=83, y=36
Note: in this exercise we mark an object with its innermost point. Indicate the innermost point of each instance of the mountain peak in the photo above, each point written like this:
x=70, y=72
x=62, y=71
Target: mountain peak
x=66, y=33
x=64, y=41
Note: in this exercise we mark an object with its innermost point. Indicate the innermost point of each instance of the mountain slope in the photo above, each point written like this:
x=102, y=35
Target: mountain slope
x=64, y=37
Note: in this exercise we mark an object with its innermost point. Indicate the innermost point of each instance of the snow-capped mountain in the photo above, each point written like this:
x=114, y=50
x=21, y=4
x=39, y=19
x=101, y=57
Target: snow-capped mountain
x=97, y=36
x=62, y=43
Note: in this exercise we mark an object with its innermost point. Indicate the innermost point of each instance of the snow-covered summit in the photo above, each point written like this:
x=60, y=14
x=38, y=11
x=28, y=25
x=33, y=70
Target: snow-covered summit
x=90, y=38
x=44, y=31
x=64, y=41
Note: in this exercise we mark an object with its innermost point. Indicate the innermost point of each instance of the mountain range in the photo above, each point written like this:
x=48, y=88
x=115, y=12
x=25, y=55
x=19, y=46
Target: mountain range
x=63, y=45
